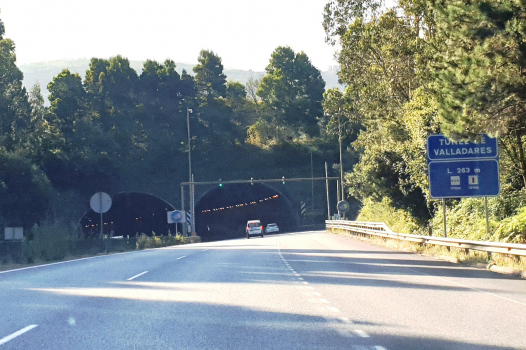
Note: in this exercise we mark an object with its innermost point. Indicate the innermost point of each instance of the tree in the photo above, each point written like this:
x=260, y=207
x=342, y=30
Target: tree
x=211, y=82
x=68, y=100
x=339, y=14
x=480, y=74
x=294, y=88
x=14, y=107
x=24, y=189
x=235, y=91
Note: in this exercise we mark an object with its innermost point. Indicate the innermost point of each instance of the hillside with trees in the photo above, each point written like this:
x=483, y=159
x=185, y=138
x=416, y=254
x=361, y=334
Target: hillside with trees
x=427, y=67
x=419, y=68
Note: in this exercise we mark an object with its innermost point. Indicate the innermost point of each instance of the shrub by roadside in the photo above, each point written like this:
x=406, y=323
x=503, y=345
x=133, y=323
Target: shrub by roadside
x=145, y=242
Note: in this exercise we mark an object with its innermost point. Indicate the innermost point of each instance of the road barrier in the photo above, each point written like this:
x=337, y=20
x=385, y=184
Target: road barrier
x=380, y=229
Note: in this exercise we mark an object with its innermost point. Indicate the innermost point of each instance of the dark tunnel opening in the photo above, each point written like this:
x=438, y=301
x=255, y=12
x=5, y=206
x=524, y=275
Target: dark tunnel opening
x=131, y=213
x=222, y=212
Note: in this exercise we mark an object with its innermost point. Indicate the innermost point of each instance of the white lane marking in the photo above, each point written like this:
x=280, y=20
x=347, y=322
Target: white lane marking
x=324, y=301
x=333, y=309
x=345, y=319
x=62, y=262
x=184, y=256
x=378, y=347
x=134, y=277
x=361, y=333
x=17, y=333
x=299, y=278
x=463, y=285
x=305, y=282
x=204, y=250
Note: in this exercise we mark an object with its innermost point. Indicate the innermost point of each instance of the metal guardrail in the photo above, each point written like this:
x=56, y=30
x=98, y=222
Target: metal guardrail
x=381, y=229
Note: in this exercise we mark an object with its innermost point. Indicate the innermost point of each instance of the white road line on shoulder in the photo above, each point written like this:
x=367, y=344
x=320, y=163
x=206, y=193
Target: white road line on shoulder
x=134, y=277
x=467, y=287
x=64, y=262
x=361, y=333
x=378, y=347
x=17, y=333
x=184, y=256
x=305, y=282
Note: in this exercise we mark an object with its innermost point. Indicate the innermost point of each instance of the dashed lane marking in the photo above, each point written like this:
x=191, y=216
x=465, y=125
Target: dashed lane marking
x=17, y=333
x=362, y=334
x=333, y=309
x=184, y=256
x=134, y=277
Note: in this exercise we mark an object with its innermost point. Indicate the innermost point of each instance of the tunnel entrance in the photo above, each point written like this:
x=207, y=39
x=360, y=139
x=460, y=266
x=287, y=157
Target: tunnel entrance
x=222, y=212
x=131, y=213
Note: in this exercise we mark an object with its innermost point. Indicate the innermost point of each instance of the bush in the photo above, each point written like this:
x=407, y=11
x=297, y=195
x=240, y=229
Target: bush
x=145, y=242
x=466, y=219
x=50, y=242
x=397, y=220
x=512, y=229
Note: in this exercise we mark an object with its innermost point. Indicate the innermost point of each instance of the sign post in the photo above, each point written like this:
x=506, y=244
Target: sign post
x=100, y=202
x=460, y=169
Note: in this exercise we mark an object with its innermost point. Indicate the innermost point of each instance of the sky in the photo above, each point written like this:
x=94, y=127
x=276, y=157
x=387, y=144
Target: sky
x=244, y=33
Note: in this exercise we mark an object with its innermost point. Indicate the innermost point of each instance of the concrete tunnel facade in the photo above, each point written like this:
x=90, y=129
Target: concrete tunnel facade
x=221, y=213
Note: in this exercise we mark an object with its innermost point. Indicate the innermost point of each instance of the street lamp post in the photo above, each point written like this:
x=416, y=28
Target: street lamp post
x=341, y=162
x=190, y=177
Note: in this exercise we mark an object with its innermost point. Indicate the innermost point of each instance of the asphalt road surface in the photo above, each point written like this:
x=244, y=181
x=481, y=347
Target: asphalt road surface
x=309, y=290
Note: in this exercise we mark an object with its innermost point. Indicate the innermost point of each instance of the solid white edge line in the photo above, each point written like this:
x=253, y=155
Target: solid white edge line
x=17, y=333
x=361, y=333
x=184, y=256
x=467, y=287
x=378, y=347
x=134, y=277
x=90, y=257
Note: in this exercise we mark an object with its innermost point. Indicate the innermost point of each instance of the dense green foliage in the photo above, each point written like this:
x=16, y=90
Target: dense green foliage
x=118, y=129
x=425, y=67
x=422, y=67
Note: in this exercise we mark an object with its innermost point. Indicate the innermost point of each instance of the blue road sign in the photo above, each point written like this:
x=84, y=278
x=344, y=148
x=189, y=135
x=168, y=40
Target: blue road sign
x=464, y=178
x=176, y=216
x=440, y=148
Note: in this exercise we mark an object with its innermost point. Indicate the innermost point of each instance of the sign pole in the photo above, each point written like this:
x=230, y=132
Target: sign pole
x=338, y=195
x=183, y=224
x=444, y=214
x=327, y=189
x=487, y=216
x=101, y=222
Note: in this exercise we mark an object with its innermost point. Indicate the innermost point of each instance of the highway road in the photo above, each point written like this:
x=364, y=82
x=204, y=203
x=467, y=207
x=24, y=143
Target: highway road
x=309, y=290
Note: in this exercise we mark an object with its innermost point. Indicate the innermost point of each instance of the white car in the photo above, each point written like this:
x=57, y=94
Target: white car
x=272, y=228
x=254, y=228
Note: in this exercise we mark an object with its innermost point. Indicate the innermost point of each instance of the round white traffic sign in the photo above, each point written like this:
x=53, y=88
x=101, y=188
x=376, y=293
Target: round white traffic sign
x=100, y=202
x=343, y=206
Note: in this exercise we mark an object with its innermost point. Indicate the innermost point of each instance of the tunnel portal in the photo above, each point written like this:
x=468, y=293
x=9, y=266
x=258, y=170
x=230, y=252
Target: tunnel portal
x=222, y=212
x=131, y=213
